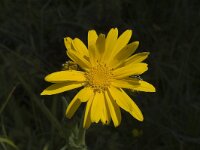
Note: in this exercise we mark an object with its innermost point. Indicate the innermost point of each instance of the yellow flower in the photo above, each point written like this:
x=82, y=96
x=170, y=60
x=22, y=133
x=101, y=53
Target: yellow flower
x=107, y=67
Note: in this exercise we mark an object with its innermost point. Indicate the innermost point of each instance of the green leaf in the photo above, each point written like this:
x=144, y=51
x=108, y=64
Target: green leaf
x=9, y=142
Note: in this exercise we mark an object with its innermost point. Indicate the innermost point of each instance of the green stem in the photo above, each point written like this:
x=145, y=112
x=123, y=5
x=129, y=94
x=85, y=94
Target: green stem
x=82, y=132
x=77, y=138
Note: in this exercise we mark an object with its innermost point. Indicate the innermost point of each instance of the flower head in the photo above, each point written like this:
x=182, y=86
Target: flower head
x=107, y=67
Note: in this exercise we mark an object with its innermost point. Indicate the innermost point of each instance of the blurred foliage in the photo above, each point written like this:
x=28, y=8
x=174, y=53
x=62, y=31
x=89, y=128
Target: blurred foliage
x=31, y=46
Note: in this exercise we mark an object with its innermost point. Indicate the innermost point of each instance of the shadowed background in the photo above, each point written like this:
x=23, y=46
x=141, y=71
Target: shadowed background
x=31, y=46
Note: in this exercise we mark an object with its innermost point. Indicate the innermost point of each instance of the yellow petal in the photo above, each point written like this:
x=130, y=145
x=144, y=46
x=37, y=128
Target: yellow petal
x=124, y=83
x=73, y=106
x=92, y=38
x=131, y=69
x=80, y=47
x=111, y=39
x=79, y=59
x=122, y=41
x=124, y=54
x=96, y=108
x=110, y=43
x=114, y=109
x=82, y=96
x=119, y=98
x=126, y=103
x=85, y=94
x=144, y=86
x=68, y=43
x=135, y=111
x=137, y=58
x=87, y=119
x=70, y=75
x=93, y=53
x=134, y=84
x=100, y=44
x=61, y=87
x=96, y=51
x=105, y=116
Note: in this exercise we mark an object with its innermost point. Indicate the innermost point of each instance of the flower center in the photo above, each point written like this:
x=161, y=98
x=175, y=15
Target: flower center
x=99, y=77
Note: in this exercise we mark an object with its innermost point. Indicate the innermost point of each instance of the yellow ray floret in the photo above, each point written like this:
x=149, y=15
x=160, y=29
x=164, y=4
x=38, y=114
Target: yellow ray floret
x=108, y=66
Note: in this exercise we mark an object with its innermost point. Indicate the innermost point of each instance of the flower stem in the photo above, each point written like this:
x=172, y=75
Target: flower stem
x=77, y=138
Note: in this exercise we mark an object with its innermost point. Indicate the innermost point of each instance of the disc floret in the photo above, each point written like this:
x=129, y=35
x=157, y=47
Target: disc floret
x=99, y=77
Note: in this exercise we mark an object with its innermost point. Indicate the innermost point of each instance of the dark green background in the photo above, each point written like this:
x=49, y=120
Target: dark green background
x=31, y=46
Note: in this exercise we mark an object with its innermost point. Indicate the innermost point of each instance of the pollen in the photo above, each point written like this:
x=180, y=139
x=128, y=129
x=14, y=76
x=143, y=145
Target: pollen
x=99, y=77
